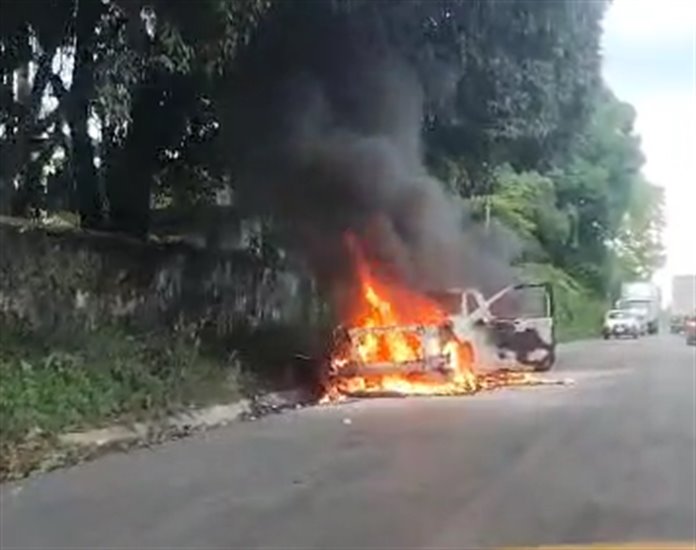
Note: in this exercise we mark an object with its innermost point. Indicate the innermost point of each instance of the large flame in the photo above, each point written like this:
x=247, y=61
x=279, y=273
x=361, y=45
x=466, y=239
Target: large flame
x=400, y=311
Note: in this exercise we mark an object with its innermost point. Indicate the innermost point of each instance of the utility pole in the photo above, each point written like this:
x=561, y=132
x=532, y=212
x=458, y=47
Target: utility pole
x=487, y=198
x=487, y=207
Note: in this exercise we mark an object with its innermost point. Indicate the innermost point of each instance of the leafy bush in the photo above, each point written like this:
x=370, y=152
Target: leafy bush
x=56, y=383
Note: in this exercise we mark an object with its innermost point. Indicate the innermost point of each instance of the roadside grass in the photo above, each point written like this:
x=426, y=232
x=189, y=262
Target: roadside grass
x=65, y=381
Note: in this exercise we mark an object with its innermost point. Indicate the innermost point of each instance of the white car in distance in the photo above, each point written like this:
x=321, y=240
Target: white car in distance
x=622, y=323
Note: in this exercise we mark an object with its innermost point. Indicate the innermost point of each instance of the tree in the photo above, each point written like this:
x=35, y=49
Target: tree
x=524, y=75
x=595, y=185
x=89, y=199
x=593, y=214
x=503, y=81
x=499, y=77
x=527, y=202
x=508, y=90
x=31, y=32
x=141, y=73
x=157, y=100
x=638, y=245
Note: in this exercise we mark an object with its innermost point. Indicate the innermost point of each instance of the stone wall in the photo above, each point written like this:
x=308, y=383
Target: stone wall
x=52, y=279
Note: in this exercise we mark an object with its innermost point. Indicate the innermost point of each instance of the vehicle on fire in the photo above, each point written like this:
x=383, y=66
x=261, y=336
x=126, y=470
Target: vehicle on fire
x=521, y=326
x=620, y=323
x=513, y=328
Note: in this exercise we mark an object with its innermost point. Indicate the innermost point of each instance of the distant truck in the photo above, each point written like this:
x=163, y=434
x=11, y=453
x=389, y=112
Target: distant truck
x=645, y=300
x=683, y=301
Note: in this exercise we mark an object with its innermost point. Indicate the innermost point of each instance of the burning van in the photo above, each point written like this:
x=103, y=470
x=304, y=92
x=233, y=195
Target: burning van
x=448, y=342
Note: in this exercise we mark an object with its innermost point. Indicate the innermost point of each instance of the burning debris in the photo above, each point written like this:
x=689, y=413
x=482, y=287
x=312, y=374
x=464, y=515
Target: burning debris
x=484, y=382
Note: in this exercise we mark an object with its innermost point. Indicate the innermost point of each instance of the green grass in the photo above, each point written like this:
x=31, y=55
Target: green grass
x=51, y=384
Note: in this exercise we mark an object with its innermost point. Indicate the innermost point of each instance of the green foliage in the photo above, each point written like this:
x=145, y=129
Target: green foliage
x=504, y=81
x=143, y=70
x=525, y=72
x=596, y=218
x=593, y=214
x=60, y=382
x=527, y=202
x=638, y=246
x=516, y=118
x=597, y=184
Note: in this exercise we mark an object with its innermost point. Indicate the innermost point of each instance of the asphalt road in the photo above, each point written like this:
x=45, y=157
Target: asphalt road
x=610, y=458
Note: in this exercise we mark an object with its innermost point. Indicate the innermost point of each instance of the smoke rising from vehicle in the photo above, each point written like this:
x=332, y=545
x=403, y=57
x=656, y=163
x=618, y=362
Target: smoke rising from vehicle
x=328, y=124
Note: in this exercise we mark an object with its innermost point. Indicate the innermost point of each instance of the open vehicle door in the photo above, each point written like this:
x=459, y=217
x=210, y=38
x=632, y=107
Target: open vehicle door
x=522, y=327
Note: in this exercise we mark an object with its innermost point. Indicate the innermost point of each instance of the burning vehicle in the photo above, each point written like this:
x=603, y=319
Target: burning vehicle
x=442, y=343
x=346, y=160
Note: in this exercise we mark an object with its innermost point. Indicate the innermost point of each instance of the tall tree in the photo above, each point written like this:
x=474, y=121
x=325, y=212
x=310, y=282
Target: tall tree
x=157, y=99
x=638, y=245
x=30, y=34
x=596, y=184
x=89, y=198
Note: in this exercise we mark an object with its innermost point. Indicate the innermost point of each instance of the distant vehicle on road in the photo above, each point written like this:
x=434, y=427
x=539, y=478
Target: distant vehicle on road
x=644, y=299
x=690, y=330
x=683, y=301
x=676, y=324
x=620, y=323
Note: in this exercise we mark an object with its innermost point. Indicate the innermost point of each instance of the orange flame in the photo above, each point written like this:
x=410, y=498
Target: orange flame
x=394, y=307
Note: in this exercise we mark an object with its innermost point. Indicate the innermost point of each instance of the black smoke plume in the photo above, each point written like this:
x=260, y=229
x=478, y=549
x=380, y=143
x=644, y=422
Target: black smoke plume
x=327, y=124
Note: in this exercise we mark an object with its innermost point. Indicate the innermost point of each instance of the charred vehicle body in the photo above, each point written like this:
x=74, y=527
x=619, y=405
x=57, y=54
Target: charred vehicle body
x=513, y=329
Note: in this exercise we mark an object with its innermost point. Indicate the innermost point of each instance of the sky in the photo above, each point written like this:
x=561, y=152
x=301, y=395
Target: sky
x=649, y=50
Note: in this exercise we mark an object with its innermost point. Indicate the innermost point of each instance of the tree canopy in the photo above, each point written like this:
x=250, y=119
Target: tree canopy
x=114, y=109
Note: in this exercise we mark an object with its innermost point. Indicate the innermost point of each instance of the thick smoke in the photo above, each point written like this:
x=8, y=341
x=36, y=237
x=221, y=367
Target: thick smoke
x=329, y=124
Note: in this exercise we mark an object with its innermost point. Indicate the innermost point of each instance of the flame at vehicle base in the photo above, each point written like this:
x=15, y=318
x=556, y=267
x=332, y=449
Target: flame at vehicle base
x=396, y=386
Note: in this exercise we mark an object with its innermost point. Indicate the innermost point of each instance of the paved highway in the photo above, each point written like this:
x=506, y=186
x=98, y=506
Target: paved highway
x=610, y=458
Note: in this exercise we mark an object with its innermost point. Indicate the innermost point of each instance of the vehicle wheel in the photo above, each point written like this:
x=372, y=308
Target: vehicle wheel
x=546, y=364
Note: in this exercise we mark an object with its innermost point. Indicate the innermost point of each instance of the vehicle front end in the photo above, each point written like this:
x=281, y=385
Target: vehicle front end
x=676, y=324
x=618, y=324
x=417, y=359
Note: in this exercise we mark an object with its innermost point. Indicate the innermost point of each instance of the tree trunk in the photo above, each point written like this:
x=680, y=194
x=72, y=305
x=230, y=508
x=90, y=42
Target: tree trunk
x=89, y=199
x=129, y=183
x=128, y=187
x=27, y=197
x=6, y=106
